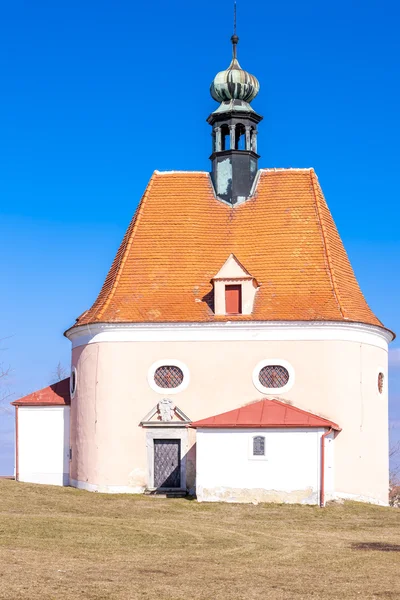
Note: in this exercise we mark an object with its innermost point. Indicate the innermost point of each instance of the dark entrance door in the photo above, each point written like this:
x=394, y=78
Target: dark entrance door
x=167, y=463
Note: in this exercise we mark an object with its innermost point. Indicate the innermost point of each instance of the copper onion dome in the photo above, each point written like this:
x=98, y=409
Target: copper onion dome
x=234, y=83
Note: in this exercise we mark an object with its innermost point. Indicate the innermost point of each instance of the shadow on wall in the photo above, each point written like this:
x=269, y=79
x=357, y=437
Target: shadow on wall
x=209, y=300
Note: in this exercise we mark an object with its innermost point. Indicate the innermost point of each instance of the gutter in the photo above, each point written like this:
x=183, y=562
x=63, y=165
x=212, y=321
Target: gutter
x=322, y=484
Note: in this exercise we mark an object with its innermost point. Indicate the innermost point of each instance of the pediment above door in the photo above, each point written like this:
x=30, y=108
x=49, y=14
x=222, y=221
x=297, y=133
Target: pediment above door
x=165, y=414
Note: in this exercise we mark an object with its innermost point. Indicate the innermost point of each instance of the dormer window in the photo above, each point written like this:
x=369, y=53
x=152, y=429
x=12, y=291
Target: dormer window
x=233, y=299
x=234, y=289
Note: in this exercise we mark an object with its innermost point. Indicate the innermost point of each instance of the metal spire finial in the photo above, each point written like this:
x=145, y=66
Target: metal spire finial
x=234, y=38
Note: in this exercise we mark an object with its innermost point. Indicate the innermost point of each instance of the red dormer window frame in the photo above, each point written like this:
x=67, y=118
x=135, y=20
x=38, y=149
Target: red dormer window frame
x=233, y=299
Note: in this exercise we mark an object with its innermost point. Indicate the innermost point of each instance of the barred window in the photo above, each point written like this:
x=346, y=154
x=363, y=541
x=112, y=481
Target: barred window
x=381, y=379
x=259, y=445
x=273, y=376
x=168, y=376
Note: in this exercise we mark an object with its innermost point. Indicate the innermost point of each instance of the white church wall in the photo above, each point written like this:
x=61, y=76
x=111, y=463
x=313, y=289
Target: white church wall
x=335, y=368
x=43, y=444
x=289, y=472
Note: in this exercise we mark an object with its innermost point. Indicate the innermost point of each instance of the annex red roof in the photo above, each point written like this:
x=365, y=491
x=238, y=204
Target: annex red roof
x=57, y=394
x=264, y=414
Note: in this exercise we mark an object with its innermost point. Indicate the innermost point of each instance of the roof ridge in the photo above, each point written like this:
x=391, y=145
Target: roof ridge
x=157, y=172
x=129, y=235
x=297, y=408
x=286, y=169
x=325, y=244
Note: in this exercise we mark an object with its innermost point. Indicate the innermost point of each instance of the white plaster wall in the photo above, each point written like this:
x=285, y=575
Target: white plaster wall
x=43, y=444
x=336, y=370
x=227, y=470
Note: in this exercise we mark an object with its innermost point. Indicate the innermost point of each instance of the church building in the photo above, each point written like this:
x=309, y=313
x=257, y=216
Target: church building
x=230, y=352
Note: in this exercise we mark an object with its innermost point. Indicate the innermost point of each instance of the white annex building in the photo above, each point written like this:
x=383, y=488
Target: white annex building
x=230, y=352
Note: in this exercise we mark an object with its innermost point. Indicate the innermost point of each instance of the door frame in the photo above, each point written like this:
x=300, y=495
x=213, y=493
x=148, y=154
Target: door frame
x=167, y=433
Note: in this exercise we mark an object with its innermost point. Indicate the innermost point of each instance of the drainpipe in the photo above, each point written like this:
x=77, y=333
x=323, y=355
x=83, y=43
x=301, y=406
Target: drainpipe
x=16, y=445
x=322, y=485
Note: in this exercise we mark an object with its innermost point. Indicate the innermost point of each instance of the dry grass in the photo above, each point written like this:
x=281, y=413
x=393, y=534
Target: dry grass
x=65, y=544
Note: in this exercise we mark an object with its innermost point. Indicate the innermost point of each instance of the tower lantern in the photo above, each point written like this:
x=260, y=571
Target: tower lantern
x=234, y=155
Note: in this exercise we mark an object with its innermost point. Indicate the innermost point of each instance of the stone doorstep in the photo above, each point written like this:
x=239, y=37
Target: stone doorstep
x=165, y=493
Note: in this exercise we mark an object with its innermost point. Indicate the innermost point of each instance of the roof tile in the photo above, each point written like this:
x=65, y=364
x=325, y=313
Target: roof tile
x=181, y=234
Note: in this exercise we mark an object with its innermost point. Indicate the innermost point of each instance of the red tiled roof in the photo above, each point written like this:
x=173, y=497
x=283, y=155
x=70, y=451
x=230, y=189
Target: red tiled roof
x=181, y=235
x=264, y=414
x=57, y=394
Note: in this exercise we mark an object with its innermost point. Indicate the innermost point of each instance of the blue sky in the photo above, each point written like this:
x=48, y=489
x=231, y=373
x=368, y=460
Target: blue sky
x=96, y=95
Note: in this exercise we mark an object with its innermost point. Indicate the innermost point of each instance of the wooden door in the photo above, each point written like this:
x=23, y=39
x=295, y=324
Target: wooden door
x=167, y=463
x=233, y=299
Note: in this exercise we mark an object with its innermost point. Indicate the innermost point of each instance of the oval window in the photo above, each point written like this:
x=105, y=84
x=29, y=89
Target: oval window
x=168, y=376
x=273, y=376
x=72, y=382
x=381, y=379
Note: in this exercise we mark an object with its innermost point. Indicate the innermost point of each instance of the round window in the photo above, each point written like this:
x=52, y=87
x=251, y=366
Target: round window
x=72, y=382
x=168, y=376
x=381, y=379
x=273, y=376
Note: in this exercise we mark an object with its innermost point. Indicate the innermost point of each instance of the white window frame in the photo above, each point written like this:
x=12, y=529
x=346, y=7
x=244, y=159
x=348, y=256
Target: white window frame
x=273, y=362
x=251, y=456
x=173, y=362
x=74, y=372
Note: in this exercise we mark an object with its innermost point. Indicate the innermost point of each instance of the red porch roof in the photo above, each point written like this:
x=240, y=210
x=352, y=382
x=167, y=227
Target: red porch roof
x=57, y=394
x=263, y=414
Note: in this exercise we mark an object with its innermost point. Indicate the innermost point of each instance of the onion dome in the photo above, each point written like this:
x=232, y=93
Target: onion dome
x=234, y=83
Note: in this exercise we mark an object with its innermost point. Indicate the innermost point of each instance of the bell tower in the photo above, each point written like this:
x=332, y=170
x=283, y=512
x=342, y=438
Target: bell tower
x=234, y=123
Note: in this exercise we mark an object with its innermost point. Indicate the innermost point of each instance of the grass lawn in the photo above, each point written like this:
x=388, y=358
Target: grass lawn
x=61, y=543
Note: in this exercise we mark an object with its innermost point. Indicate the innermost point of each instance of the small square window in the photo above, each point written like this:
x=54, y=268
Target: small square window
x=259, y=445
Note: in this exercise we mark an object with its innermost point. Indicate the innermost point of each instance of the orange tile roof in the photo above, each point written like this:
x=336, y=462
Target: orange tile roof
x=181, y=235
x=57, y=394
x=264, y=414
